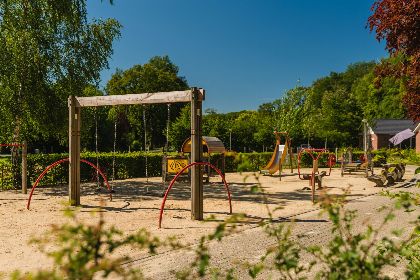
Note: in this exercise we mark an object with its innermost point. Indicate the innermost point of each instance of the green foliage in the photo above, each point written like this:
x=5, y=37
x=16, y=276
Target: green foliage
x=159, y=74
x=331, y=110
x=408, y=156
x=352, y=255
x=48, y=50
x=6, y=171
x=379, y=103
x=180, y=129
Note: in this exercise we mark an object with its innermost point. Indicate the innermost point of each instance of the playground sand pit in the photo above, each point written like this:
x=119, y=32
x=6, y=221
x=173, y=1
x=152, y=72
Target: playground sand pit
x=136, y=205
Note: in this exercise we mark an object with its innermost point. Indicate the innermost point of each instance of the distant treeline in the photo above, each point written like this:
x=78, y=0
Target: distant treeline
x=330, y=110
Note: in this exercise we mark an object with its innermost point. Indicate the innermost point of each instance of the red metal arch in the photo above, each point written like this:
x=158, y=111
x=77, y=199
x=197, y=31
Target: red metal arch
x=331, y=162
x=331, y=158
x=180, y=172
x=12, y=145
x=49, y=167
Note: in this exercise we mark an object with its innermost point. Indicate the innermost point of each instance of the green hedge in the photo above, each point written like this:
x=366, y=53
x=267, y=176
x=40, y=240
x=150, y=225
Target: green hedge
x=127, y=165
x=132, y=165
x=6, y=174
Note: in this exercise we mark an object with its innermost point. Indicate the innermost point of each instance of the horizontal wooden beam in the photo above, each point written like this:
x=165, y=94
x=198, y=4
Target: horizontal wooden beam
x=142, y=98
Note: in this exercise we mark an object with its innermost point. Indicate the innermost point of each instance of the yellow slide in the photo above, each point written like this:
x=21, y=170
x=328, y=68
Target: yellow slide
x=277, y=159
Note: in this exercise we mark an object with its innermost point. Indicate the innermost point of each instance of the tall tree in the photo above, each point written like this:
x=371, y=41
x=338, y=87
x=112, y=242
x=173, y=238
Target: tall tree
x=48, y=50
x=157, y=75
x=379, y=102
x=398, y=23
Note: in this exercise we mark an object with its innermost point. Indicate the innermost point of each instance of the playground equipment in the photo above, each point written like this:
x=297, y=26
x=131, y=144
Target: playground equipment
x=24, y=163
x=194, y=96
x=315, y=176
x=182, y=171
x=171, y=165
x=389, y=174
x=58, y=162
x=364, y=164
x=279, y=157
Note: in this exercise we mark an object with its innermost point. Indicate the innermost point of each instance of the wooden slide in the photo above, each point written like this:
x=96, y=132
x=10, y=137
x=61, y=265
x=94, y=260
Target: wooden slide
x=277, y=159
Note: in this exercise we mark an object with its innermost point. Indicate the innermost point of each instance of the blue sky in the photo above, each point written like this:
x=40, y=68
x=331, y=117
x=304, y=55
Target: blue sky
x=243, y=52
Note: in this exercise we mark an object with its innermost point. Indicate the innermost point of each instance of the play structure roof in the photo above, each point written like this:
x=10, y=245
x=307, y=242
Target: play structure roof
x=210, y=145
x=392, y=127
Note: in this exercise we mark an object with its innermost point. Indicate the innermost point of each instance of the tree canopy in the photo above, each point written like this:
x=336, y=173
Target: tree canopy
x=398, y=23
x=48, y=50
x=159, y=74
x=330, y=110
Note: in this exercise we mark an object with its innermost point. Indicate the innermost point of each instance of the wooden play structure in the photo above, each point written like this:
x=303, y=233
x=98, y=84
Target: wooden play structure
x=364, y=164
x=349, y=166
x=282, y=153
x=194, y=96
x=171, y=165
x=315, y=176
x=390, y=174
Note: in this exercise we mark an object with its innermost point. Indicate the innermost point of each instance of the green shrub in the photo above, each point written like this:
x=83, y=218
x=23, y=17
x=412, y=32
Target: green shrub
x=6, y=173
x=132, y=165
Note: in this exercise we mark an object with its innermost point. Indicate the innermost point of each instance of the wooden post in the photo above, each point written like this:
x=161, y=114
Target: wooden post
x=365, y=146
x=74, y=151
x=24, y=167
x=196, y=156
x=281, y=165
x=290, y=154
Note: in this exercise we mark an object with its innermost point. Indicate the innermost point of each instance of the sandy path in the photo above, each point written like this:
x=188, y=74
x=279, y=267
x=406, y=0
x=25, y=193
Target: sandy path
x=131, y=209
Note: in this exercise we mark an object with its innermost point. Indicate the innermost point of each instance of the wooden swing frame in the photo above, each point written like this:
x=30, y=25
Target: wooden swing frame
x=195, y=96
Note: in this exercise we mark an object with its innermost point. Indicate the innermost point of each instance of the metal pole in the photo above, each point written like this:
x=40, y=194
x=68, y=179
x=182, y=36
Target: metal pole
x=74, y=151
x=196, y=156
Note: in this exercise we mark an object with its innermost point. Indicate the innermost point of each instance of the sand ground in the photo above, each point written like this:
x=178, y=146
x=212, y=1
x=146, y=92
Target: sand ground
x=136, y=205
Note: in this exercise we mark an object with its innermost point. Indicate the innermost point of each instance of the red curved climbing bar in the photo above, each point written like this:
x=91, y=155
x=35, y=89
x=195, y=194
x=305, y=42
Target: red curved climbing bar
x=49, y=167
x=180, y=172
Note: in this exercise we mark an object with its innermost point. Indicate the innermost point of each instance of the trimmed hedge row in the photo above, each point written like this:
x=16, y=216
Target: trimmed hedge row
x=133, y=165
x=127, y=165
x=6, y=174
